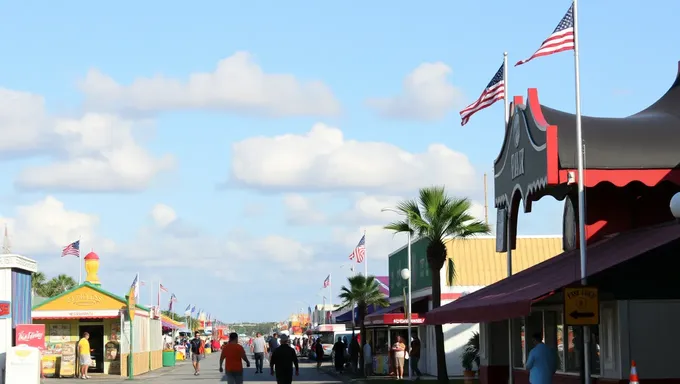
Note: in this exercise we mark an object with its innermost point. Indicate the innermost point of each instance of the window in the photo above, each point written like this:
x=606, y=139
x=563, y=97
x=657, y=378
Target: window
x=567, y=341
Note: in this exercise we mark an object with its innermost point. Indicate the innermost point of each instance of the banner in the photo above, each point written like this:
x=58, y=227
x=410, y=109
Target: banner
x=32, y=335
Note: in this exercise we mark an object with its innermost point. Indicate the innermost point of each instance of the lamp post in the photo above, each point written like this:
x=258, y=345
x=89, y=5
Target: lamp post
x=406, y=275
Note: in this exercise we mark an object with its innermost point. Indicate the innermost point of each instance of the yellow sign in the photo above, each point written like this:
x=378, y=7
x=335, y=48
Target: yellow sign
x=82, y=299
x=131, y=304
x=581, y=306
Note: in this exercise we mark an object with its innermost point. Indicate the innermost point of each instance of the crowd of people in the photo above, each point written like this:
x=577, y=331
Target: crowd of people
x=281, y=352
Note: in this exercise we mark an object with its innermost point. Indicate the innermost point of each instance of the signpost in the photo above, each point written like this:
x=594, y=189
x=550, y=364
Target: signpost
x=131, y=305
x=581, y=306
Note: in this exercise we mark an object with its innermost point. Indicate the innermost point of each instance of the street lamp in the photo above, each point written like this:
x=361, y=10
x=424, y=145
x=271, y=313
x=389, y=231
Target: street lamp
x=406, y=275
x=675, y=205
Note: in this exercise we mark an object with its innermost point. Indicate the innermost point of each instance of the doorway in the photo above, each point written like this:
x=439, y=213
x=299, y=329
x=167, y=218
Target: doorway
x=96, y=345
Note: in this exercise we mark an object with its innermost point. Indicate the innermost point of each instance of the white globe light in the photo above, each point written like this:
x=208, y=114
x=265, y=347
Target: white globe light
x=675, y=205
x=405, y=274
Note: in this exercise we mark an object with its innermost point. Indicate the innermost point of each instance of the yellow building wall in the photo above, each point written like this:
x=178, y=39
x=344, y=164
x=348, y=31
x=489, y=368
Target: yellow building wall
x=56, y=330
x=141, y=363
x=477, y=263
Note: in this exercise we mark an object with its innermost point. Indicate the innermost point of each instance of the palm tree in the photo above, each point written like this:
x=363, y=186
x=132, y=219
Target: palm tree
x=58, y=285
x=37, y=282
x=362, y=292
x=436, y=216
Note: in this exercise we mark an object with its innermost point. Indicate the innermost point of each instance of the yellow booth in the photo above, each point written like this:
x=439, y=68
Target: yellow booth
x=89, y=308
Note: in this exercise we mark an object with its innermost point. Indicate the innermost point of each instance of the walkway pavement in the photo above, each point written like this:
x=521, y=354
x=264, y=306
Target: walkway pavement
x=184, y=372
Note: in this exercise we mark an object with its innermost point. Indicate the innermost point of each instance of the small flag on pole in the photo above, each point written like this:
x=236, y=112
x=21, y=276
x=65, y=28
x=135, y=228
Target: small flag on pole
x=188, y=310
x=562, y=38
x=359, y=251
x=135, y=286
x=162, y=288
x=493, y=92
x=72, y=249
x=327, y=282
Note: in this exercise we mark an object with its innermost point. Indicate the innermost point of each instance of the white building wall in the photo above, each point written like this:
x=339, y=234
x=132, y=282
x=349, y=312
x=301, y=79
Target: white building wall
x=7, y=263
x=455, y=337
x=5, y=324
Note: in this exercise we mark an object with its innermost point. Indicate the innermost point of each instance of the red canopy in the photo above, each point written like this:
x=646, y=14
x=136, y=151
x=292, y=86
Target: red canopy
x=512, y=297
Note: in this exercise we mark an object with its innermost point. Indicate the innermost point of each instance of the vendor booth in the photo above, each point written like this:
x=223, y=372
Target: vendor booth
x=383, y=327
x=89, y=308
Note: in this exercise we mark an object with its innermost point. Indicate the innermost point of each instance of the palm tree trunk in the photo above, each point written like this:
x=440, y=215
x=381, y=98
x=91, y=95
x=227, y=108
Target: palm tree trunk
x=442, y=372
x=362, y=333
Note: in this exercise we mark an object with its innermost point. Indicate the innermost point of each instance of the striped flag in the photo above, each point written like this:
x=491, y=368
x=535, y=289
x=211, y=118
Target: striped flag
x=562, y=38
x=173, y=299
x=135, y=286
x=359, y=251
x=162, y=288
x=327, y=282
x=72, y=249
x=493, y=92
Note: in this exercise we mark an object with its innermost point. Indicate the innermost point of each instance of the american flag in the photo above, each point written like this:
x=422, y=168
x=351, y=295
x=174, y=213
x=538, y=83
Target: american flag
x=142, y=283
x=493, y=92
x=72, y=249
x=327, y=282
x=359, y=251
x=162, y=288
x=562, y=38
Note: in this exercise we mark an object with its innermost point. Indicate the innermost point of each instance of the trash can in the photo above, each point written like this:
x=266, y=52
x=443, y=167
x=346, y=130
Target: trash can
x=169, y=358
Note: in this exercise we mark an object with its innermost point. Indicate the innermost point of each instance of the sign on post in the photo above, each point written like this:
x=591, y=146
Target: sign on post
x=23, y=365
x=581, y=306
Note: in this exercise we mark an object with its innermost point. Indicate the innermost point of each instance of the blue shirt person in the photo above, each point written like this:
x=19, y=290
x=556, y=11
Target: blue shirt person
x=542, y=362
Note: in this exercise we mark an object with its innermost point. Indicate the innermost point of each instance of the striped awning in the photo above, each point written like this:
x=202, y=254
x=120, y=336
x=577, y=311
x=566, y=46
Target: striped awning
x=168, y=324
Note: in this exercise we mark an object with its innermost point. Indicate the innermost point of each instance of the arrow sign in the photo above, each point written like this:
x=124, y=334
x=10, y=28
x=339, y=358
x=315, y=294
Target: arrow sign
x=581, y=315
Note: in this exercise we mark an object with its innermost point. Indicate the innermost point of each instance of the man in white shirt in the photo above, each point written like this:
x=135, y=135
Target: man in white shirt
x=368, y=359
x=259, y=349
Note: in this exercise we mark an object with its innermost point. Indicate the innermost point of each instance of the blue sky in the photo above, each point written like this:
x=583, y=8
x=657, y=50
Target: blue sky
x=242, y=189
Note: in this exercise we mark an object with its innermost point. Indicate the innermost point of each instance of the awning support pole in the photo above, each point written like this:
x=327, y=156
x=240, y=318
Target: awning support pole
x=508, y=229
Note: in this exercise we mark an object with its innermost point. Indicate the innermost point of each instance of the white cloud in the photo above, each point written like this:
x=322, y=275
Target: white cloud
x=24, y=125
x=100, y=155
x=163, y=215
x=323, y=160
x=301, y=210
x=238, y=84
x=427, y=94
x=45, y=227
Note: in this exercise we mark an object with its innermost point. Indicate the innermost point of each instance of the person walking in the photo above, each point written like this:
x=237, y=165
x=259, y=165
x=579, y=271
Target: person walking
x=231, y=356
x=368, y=359
x=541, y=362
x=414, y=356
x=354, y=351
x=339, y=349
x=282, y=362
x=84, y=353
x=259, y=349
x=273, y=344
x=318, y=351
x=197, y=351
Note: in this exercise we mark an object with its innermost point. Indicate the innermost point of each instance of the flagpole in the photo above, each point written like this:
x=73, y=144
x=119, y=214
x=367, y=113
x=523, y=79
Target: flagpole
x=581, y=192
x=80, y=263
x=506, y=109
x=365, y=257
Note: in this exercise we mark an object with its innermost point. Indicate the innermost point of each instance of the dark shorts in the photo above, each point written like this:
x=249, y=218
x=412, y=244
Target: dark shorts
x=196, y=357
x=233, y=377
